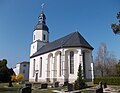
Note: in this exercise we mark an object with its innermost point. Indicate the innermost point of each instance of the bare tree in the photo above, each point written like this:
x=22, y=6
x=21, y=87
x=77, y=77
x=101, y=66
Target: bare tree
x=104, y=62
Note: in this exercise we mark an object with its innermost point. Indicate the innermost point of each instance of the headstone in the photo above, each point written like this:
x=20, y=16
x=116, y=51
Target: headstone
x=77, y=92
x=70, y=87
x=65, y=83
x=44, y=85
x=99, y=90
x=105, y=84
x=26, y=90
x=56, y=84
x=28, y=85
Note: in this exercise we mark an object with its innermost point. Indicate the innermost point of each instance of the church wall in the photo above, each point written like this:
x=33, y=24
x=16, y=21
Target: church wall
x=72, y=77
x=37, y=68
x=37, y=35
x=31, y=78
x=33, y=48
x=88, y=61
x=46, y=36
x=53, y=57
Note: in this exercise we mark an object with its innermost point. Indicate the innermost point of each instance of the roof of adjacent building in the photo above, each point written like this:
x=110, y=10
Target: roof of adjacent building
x=74, y=39
x=24, y=62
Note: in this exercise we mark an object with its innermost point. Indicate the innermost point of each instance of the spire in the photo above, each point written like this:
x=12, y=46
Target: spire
x=42, y=18
x=42, y=21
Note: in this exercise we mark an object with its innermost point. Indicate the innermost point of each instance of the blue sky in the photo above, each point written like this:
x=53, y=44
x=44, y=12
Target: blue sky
x=92, y=18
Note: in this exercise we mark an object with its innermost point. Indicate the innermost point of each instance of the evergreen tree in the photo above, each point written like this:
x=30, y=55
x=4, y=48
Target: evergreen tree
x=80, y=78
x=79, y=83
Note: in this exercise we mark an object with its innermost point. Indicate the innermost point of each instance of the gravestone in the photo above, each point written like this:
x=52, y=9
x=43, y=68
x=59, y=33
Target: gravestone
x=26, y=90
x=66, y=83
x=44, y=85
x=100, y=89
x=70, y=87
x=105, y=84
x=28, y=85
x=56, y=84
x=77, y=92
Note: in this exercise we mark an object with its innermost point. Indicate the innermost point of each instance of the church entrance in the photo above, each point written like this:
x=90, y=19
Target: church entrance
x=36, y=77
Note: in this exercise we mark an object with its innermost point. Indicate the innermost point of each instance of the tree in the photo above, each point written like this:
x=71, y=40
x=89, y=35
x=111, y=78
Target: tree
x=20, y=76
x=80, y=83
x=104, y=62
x=17, y=78
x=118, y=68
x=116, y=27
x=5, y=72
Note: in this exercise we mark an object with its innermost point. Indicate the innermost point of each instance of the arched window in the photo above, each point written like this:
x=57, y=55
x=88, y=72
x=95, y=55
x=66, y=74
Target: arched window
x=60, y=65
x=33, y=67
x=40, y=66
x=71, y=62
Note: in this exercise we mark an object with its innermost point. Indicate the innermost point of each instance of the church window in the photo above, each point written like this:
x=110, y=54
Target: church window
x=33, y=67
x=34, y=37
x=44, y=37
x=24, y=71
x=71, y=62
x=60, y=64
x=40, y=66
x=24, y=65
x=84, y=65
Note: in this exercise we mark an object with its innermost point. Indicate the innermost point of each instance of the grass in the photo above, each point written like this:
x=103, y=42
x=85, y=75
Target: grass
x=16, y=89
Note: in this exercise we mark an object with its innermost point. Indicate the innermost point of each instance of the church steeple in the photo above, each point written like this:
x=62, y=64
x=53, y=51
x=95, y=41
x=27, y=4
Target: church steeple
x=42, y=21
x=42, y=18
x=40, y=34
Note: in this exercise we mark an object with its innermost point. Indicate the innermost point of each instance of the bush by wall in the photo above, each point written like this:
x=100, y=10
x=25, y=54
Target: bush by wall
x=108, y=80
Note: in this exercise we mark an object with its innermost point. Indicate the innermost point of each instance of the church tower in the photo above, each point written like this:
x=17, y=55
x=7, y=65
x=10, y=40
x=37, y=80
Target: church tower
x=40, y=34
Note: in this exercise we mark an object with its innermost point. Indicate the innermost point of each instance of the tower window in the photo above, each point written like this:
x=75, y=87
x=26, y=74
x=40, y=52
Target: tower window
x=44, y=37
x=34, y=37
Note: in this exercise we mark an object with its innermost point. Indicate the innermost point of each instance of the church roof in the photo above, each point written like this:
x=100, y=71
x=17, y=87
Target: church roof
x=72, y=40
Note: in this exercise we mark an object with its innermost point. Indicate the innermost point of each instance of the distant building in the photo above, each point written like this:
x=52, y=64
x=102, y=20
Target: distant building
x=23, y=68
x=58, y=60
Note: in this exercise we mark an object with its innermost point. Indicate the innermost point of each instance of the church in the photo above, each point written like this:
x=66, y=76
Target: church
x=58, y=60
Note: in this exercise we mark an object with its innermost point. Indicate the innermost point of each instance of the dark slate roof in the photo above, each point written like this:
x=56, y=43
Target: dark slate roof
x=72, y=40
x=41, y=26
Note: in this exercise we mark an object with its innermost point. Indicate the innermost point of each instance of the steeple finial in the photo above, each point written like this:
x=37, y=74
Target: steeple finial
x=42, y=5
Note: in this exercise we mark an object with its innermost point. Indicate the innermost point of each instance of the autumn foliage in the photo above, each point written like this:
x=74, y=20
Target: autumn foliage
x=18, y=77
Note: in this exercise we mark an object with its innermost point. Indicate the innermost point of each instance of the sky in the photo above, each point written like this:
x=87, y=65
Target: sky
x=92, y=18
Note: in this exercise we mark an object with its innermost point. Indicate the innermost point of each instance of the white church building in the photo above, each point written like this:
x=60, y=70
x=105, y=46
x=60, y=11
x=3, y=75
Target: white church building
x=58, y=60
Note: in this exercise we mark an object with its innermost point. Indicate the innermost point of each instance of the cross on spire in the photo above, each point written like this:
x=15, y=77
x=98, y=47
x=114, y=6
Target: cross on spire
x=42, y=6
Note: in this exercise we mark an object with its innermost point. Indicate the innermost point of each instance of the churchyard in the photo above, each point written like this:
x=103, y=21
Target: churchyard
x=18, y=88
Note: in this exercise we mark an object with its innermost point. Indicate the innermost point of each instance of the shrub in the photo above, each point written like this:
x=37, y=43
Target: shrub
x=108, y=80
x=18, y=77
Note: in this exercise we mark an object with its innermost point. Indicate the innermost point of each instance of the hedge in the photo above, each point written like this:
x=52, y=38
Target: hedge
x=108, y=80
